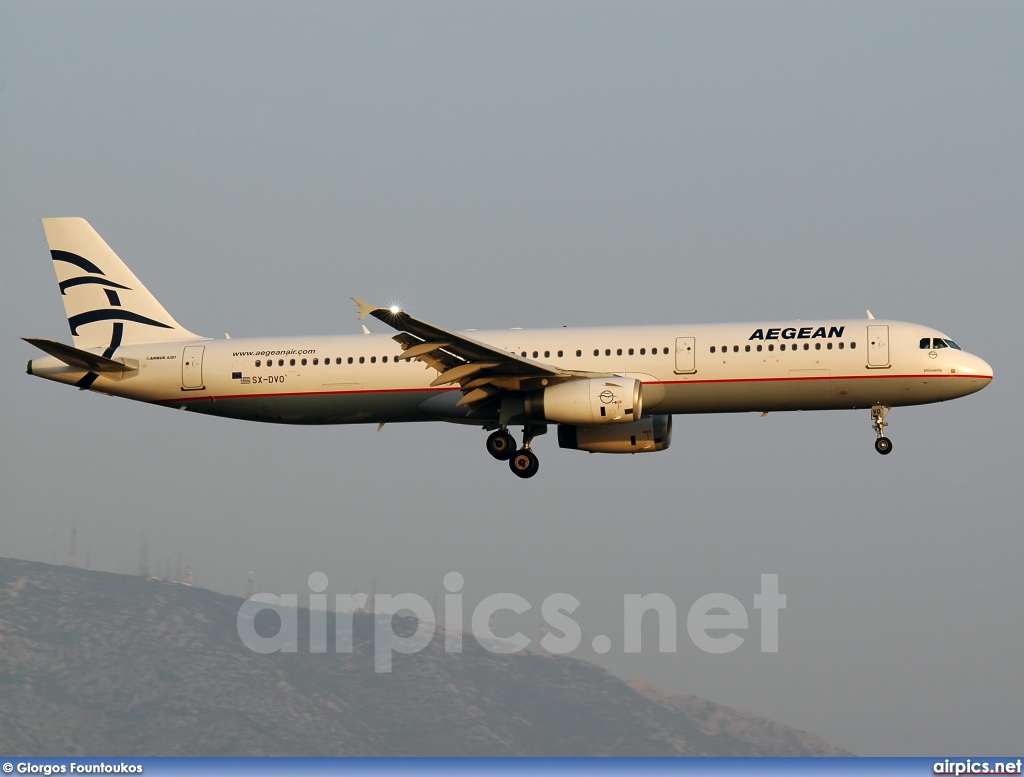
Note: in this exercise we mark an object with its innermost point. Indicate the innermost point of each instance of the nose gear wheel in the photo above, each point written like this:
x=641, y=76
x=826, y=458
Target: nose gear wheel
x=883, y=444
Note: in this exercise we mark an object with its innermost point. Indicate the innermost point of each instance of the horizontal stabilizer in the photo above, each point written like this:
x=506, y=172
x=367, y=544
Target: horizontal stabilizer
x=75, y=357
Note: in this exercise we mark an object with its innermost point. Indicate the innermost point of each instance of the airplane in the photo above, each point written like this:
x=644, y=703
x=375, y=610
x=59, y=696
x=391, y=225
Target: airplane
x=607, y=389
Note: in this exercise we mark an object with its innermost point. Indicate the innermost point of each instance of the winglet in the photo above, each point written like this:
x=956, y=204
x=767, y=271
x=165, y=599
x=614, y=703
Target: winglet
x=870, y=316
x=365, y=308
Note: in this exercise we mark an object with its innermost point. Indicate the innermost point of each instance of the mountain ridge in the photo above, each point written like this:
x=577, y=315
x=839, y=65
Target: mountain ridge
x=96, y=663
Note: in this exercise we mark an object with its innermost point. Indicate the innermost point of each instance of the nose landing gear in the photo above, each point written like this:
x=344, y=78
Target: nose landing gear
x=878, y=413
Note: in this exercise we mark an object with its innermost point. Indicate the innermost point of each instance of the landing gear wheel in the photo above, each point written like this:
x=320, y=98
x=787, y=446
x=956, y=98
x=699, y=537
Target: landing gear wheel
x=524, y=463
x=878, y=413
x=501, y=445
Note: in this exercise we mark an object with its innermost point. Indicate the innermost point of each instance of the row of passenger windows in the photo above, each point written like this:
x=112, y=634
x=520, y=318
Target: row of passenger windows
x=597, y=352
x=339, y=360
x=396, y=359
x=782, y=347
x=937, y=342
x=926, y=343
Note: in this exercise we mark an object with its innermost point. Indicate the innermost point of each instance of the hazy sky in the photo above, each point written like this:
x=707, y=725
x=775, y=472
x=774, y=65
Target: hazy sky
x=501, y=164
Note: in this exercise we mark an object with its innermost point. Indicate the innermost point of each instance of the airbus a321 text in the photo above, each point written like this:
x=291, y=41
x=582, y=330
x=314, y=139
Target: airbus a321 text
x=608, y=390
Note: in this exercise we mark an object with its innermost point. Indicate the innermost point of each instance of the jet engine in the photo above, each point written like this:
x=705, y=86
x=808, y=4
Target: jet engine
x=611, y=400
x=653, y=433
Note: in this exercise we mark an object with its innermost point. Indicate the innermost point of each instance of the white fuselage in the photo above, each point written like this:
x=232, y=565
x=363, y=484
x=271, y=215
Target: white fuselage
x=796, y=365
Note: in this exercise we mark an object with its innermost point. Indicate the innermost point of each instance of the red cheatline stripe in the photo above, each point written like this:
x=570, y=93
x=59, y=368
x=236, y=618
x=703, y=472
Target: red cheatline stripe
x=828, y=377
x=178, y=400
x=175, y=400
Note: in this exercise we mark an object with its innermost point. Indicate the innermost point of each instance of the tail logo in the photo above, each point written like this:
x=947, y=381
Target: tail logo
x=113, y=313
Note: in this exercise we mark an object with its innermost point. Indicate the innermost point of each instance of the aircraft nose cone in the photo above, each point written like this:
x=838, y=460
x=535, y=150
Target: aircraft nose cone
x=983, y=369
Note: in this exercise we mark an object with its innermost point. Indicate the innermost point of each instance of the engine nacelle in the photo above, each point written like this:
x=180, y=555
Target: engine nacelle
x=612, y=400
x=653, y=433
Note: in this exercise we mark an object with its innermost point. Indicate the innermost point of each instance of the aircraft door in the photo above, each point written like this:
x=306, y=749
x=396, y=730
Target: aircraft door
x=878, y=345
x=192, y=367
x=686, y=348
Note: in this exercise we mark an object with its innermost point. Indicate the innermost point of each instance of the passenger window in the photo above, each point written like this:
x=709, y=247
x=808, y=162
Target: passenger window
x=712, y=349
x=559, y=354
x=782, y=347
x=807, y=346
x=316, y=361
x=853, y=345
x=385, y=360
x=817, y=346
x=373, y=360
x=829, y=346
x=349, y=360
x=746, y=348
x=280, y=362
x=938, y=343
x=842, y=345
x=666, y=351
x=579, y=352
x=771, y=347
x=643, y=351
x=303, y=362
x=362, y=360
x=618, y=352
x=257, y=362
x=534, y=354
x=759, y=349
x=547, y=354
x=735, y=349
x=926, y=343
x=597, y=352
x=725, y=349
x=607, y=351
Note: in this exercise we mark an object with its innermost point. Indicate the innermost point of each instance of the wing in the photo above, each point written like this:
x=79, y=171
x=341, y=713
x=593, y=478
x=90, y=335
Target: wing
x=481, y=370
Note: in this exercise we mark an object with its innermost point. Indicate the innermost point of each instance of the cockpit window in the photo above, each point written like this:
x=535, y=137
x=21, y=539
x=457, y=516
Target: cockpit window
x=926, y=343
x=951, y=344
x=938, y=342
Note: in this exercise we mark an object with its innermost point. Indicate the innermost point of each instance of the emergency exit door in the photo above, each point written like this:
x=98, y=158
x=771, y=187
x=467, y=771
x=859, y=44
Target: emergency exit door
x=685, y=349
x=878, y=345
x=192, y=367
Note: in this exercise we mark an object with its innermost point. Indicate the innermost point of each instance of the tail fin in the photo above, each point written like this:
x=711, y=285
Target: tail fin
x=107, y=306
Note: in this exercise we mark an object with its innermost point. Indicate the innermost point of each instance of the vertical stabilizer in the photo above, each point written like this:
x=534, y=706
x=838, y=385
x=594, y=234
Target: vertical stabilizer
x=106, y=305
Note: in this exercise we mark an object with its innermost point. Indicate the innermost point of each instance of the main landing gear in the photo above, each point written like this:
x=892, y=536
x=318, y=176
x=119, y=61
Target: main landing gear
x=878, y=413
x=501, y=445
x=523, y=462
